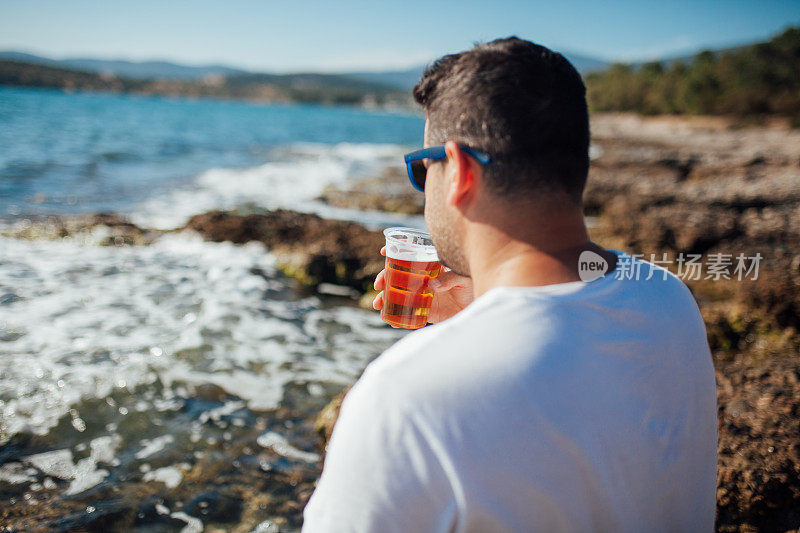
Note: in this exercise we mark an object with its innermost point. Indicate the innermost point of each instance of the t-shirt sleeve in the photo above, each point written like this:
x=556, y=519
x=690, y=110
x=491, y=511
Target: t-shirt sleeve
x=381, y=472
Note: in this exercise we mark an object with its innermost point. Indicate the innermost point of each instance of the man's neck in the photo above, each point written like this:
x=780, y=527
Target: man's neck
x=543, y=252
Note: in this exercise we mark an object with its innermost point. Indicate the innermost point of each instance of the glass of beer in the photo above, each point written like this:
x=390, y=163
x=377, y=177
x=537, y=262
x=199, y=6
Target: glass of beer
x=411, y=262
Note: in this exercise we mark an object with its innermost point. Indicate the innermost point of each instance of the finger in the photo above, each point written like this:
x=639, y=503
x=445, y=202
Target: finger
x=377, y=303
x=446, y=280
x=380, y=280
x=383, y=251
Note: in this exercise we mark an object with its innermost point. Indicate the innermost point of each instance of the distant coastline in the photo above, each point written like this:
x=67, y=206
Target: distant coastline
x=268, y=88
x=750, y=82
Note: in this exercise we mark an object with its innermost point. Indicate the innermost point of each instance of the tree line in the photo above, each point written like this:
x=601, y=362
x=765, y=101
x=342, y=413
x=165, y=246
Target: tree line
x=761, y=79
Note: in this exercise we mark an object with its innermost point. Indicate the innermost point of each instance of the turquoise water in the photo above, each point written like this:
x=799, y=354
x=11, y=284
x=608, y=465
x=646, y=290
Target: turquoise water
x=86, y=152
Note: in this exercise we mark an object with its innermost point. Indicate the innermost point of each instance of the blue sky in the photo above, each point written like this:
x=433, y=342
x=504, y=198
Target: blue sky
x=373, y=35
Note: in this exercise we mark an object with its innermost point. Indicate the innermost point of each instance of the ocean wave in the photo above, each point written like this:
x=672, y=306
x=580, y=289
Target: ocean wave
x=296, y=174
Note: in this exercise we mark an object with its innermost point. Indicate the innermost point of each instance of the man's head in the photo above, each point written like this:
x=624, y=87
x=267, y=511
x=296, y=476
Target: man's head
x=522, y=104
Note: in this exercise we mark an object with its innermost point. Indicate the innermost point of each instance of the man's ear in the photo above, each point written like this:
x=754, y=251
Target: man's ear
x=461, y=176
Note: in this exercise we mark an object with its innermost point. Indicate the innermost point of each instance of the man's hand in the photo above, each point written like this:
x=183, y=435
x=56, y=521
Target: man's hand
x=451, y=293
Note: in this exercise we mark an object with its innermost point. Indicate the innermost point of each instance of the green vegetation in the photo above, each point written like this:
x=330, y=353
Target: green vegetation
x=760, y=79
x=309, y=88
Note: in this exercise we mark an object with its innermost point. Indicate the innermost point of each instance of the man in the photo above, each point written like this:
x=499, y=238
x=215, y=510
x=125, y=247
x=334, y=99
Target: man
x=547, y=403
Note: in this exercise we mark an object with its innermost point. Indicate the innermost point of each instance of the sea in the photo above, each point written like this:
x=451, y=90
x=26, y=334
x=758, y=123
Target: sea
x=120, y=364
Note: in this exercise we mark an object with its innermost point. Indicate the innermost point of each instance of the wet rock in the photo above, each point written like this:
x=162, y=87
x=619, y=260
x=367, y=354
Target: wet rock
x=654, y=227
x=326, y=419
x=223, y=506
x=99, y=517
x=308, y=248
x=777, y=292
x=105, y=229
x=682, y=167
x=389, y=192
x=759, y=451
x=65, y=515
x=727, y=332
x=210, y=392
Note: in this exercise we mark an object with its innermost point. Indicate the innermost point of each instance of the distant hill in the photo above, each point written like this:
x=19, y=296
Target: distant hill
x=685, y=59
x=144, y=70
x=760, y=79
x=127, y=69
x=585, y=64
x=37, y=75
x=401, y=79
x=406, y=79
x=312, y=88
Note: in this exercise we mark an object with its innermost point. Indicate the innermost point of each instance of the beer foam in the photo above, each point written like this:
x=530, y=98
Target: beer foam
x=408, y=244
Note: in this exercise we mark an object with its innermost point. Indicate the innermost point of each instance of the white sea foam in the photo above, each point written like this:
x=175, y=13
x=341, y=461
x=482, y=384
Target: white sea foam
x=193, y=525
x=267, y=526
x=169, y=475
x=295, y=175
x=216, y=414
x=103, y=448
x=16, y=473
x=82, y=321
x=151, y=447
x=59, y=463
x=87, y=475
x=281, y=446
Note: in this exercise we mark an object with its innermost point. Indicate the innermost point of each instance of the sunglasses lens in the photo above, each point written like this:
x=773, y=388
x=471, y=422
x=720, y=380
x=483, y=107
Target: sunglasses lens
x=419, y=171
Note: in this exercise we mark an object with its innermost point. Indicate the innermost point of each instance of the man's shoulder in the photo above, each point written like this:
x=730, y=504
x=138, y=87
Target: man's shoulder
x=663, y=289
x=411, y=348
x=474, y=346
x=426, y=347
x=635, y=268
x=523, y=326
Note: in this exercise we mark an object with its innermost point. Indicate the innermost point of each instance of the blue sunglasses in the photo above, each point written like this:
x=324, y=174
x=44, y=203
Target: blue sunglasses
x=417, y=171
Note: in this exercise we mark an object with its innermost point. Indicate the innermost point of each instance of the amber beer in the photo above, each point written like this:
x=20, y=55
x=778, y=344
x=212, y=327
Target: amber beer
x=411, y=262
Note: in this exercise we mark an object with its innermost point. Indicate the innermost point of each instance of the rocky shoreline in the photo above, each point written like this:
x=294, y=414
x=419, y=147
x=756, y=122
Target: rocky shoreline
x=312, y=250
x=657, y=186
x=667, y=185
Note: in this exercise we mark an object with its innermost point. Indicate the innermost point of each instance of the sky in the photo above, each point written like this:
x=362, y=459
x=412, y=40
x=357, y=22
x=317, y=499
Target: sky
x=347, y=35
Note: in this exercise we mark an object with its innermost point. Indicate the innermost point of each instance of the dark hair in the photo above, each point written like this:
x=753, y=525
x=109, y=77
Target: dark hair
x=519, y=102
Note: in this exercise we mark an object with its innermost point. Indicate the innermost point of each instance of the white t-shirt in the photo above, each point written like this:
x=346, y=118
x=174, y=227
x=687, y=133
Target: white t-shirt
x=568, y=407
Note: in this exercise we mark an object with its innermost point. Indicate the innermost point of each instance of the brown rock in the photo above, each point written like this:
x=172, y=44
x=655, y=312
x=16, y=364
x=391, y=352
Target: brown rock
x=326, y=419
x=106, y=229
x=389, y=192
x=309, y=248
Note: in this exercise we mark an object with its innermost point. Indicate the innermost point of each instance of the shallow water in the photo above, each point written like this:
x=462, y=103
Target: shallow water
x=129, y=352
x=170, y=158
x=90, y=322
x=144, y=387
